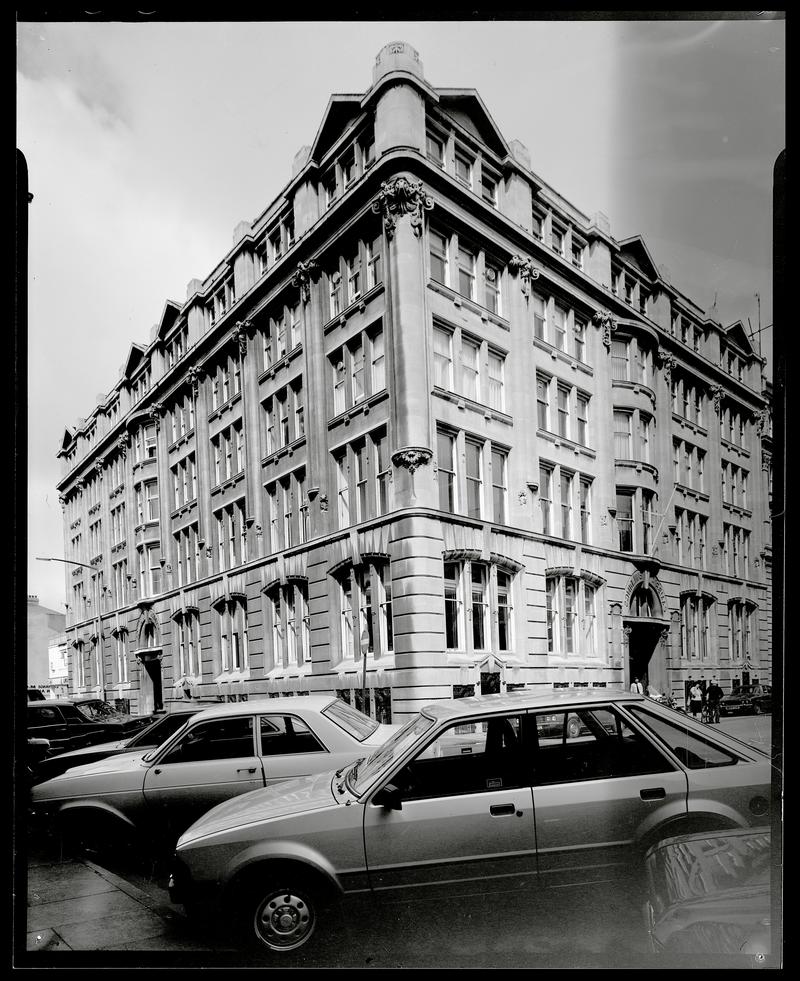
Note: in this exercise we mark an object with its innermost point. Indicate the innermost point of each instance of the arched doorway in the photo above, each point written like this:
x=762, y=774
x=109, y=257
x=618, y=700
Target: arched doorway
x=646, y=626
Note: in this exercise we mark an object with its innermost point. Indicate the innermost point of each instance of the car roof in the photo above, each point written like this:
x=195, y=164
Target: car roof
x=49, y=702
x=523, y=700
x=287, y=703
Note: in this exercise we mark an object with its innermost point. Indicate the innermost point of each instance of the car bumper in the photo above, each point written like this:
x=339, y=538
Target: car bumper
x=184, y=891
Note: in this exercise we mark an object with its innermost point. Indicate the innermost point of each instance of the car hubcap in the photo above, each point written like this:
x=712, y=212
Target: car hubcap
x=284, y=921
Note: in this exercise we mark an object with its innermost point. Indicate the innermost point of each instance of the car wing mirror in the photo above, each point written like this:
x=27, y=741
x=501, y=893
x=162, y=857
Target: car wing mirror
x=389, y=798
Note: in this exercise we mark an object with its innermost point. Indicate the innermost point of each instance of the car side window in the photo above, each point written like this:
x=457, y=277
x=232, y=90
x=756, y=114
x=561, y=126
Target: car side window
x=284, y=735
x=158, y=732
x=591, y=744
x=44, y=717
x=693, y=751
x=472, y=757
x=75, y=716
x=217, y=739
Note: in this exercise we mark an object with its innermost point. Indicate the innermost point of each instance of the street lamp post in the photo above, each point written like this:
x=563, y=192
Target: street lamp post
x=96, y=579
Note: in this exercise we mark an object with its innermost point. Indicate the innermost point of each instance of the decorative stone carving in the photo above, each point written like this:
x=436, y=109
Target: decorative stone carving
x=761, y=419
x=195, y=376
x=526, y=271
x=605, y=321
x=412, y=458
x=666, y=361
x=240, y=334
x=766, y=461
x=302, y=278
x=62, y=500
x=99, y=466
x=522, y=497
x=402, y=196
x=716, y=395
x=123, y=443
x=155, y=412
x=323, y=502
x=665, y=635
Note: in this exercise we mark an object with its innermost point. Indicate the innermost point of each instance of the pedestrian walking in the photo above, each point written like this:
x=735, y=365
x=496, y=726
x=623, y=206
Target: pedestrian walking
x=636, y=687
x=695, y=700
x=714, y=696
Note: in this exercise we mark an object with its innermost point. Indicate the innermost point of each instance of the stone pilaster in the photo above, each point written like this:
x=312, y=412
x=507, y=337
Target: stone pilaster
x=604, y=494
x=205, y=525
x=168, y=549
x=252, y=444
x=402, y=202
x=665, y=362
x=714, y=478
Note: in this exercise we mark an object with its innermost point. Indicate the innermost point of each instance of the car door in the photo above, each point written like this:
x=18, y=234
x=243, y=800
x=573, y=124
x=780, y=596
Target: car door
x=47, y=722
x=466, y=816
x=215, y=759
x=593, y=791
x=82, y=731
x=290, y=749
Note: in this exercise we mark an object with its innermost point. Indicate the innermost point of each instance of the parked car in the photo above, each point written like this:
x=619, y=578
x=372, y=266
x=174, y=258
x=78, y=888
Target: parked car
x=116, y=722
x=470, y=796
x=63, y=724
x=161, y=727
x=747, y=699
x=35, y=695
x=221, y=752
x=710, y=893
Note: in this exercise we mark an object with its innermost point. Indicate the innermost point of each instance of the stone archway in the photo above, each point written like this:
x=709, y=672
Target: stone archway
x=646, y=631
x=148, y=653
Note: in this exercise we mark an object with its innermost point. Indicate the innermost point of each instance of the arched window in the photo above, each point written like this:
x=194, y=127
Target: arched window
x=696, y=636
x=79, y=665
x=232, y=626
x=187, y=626
x=365, y=609
x=288, y=614
x=478, y=606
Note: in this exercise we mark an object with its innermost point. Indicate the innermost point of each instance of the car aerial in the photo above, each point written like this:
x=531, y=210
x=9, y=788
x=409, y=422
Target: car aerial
x=710, y=893
x=162, y=726
x=473, y=794
x=747, y=699
x=221, y=752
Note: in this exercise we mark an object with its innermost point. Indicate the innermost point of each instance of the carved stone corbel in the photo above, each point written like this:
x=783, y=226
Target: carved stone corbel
x=401, y=196
x=606, y=322
x=156, y=411
x=666, y=361
x=716, y=395
x=241, y=333
x=195, y=376
x=302, y=278
x=526, y=271
x=412, y=458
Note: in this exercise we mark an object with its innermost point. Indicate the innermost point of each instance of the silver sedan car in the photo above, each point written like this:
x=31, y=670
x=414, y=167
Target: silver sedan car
x=218, y=753
x=485, y=793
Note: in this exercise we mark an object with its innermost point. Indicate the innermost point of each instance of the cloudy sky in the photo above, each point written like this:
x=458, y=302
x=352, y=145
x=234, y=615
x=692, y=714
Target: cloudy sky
x=147, y=143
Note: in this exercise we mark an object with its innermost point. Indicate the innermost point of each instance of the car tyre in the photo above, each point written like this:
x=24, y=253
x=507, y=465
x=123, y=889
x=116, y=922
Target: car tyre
x=281, y=918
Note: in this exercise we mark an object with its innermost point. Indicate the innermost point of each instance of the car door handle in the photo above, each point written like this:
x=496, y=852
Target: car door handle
x=247, y=769
x=653, y=793
x=498, y=809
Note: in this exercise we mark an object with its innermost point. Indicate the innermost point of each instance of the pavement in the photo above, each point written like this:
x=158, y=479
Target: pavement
x=75, y=904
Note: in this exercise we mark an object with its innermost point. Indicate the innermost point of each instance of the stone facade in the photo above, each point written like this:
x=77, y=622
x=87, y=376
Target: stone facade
x=427, y=411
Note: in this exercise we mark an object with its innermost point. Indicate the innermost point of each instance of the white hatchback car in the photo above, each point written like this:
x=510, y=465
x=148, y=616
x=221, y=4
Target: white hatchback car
x=480, y=793
x=220, y=752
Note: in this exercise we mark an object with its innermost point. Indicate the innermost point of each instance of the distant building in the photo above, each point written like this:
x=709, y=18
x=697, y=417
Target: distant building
x=58, y=657
x=427, y=413
x=43, y=626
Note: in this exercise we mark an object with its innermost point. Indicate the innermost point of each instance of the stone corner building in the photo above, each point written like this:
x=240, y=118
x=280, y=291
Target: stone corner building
x=427, y=413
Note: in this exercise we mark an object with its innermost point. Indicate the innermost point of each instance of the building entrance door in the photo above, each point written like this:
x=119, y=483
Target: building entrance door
x=646, y=660
x=152, y=697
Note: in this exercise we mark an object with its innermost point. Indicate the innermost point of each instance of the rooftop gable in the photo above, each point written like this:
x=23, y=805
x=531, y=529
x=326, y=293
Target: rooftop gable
x=635, y=248
x=169, y=315
x=738, y=335
x=468, y=109
x=339, y=114
x=134, y=359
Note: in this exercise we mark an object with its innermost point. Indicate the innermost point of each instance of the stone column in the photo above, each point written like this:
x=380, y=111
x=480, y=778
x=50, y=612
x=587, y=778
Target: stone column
x=164, y=489
x=254, y=518
x=604, y=489
x=713, y=476
x=523, y=476
x=204, y=479
x=663, y=450
x=402, y=202
x=321, y=516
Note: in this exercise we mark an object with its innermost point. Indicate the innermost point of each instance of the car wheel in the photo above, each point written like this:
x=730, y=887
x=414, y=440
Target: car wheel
x=282, y=919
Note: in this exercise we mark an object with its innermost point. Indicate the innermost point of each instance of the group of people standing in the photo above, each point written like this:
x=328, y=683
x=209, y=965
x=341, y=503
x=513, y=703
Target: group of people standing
x=702, y=701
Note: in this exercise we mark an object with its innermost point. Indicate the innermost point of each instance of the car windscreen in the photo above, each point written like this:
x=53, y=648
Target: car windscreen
x=158, y=731
x=169, y=738
x=385, y=756
x=354, y=723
